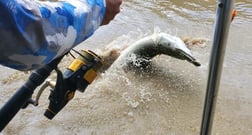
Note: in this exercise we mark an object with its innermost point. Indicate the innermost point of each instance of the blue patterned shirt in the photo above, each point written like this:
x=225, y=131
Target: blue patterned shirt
x=33, y=33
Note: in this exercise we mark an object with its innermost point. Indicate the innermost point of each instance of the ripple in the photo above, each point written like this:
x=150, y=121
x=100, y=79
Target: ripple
x=244, y=11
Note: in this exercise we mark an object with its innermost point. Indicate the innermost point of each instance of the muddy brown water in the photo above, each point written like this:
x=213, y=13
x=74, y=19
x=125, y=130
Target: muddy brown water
x=165, y=101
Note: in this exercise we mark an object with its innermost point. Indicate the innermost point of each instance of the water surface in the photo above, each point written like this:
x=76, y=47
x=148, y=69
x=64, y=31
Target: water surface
x=167, y=100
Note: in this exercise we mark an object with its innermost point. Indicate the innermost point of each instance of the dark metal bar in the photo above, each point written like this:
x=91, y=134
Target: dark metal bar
x=222, y=24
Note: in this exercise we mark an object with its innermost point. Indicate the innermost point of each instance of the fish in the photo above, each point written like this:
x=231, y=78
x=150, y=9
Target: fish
x=140, y=53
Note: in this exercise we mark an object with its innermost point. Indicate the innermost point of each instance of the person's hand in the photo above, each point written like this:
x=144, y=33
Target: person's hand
x=112, y=8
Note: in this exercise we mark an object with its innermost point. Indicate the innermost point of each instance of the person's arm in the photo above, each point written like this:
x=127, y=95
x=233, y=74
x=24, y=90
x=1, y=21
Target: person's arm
x=112, y=8
x=32, y=33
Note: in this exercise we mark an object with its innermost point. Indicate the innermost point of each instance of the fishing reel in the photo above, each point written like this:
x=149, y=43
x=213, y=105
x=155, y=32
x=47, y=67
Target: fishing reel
x=79, y=74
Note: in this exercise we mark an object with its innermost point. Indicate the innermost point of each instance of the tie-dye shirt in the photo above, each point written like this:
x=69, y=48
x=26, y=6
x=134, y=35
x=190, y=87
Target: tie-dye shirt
x=33, y=33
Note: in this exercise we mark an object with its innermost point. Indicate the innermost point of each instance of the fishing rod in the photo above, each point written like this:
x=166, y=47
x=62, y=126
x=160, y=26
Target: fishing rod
x=223, y=20
x=79, y=74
